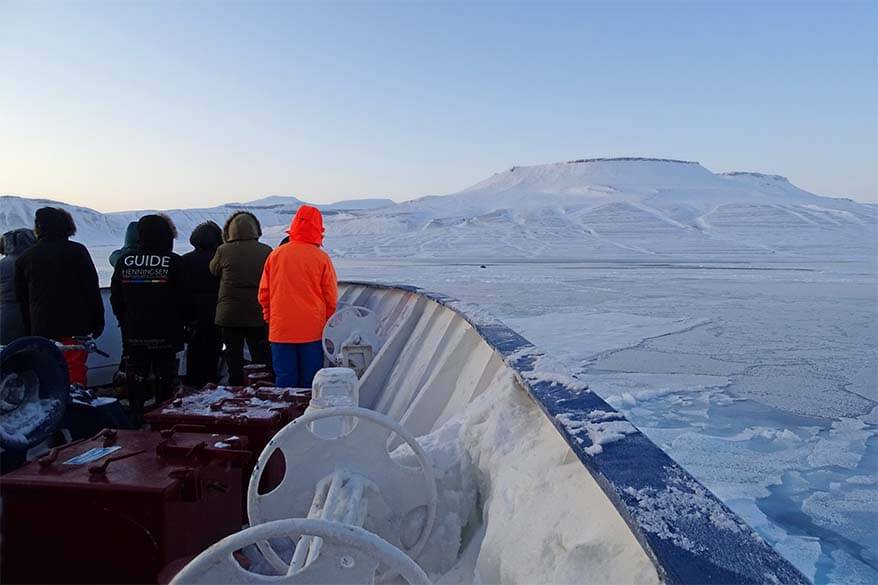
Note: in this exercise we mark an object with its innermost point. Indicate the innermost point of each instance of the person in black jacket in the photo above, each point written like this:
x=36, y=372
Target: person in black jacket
x=205, y=346
x=149, y=301
x=57, y=286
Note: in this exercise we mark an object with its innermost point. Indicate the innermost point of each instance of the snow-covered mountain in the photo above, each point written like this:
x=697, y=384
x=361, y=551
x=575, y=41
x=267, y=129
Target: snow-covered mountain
x=583, y=209
x=292, y=203
x=597, y=208
x=98, y=229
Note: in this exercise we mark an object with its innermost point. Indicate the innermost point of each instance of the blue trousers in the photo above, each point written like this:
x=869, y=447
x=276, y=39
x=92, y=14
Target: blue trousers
x=296, y=363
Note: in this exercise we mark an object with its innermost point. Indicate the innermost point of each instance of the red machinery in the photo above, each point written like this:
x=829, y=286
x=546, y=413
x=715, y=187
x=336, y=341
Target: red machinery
x=119, y=506
x=255, y=413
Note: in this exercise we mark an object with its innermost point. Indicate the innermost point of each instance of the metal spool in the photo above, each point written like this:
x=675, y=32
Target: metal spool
x=348, y=555
x=34, y=392
x=352, y=337
x=402, y=505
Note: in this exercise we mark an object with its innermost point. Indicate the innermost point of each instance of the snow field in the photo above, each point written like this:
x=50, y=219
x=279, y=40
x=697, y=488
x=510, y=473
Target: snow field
x=515, y=506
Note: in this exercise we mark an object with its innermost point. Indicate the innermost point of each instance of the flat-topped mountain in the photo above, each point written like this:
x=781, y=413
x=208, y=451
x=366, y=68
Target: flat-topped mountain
x=581, y=209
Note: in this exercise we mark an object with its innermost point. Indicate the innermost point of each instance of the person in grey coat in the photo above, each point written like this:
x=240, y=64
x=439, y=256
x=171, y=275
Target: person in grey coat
x=12, y=244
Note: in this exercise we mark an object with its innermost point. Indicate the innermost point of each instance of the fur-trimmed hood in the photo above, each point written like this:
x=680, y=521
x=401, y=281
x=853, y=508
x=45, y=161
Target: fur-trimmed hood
x=14, y=242
x=242, y=225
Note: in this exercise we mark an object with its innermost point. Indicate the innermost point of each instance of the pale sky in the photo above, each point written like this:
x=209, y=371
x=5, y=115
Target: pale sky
x=122, y=105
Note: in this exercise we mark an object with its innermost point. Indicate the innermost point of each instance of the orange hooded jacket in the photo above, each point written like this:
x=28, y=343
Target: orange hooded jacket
x=298, y=291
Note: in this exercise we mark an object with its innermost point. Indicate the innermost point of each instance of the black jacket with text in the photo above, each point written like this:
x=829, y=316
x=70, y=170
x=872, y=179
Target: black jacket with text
x=147, y=292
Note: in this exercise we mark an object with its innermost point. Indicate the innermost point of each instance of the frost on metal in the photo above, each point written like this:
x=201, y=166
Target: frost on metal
x=598, y=427
x=536, y=367
x=682, y=502
x=199, y=402
x=22, y=421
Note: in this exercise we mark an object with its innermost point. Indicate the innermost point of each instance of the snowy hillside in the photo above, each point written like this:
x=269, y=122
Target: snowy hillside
x=617, y=208
x=106, y=229
x=632, y=208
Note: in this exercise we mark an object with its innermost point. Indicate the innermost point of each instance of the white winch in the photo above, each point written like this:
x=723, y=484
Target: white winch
x=333, y=387
x=348, y=555
x=347, y=505
x=352, y=338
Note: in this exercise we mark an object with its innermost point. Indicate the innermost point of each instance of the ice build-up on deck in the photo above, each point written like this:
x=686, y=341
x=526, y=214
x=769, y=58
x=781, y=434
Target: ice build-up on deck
x=462, y=455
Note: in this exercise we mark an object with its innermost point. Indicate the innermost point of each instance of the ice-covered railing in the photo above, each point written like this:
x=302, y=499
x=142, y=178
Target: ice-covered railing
x=689, y=533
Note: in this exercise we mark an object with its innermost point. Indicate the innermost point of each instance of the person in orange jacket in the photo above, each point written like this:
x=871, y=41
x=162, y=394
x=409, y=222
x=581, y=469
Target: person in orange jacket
x=298, y=293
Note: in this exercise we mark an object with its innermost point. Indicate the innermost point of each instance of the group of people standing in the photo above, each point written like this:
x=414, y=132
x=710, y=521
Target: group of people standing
x=50, y=287
x=231, y=289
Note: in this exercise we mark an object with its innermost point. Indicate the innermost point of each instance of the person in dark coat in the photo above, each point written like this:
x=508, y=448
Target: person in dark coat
x=202, y=287
x=12, y=245
x=238, y=264
x=57, y=286
x=149, y=301
x=129, y=245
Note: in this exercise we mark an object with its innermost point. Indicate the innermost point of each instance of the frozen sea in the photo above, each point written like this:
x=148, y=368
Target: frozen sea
x=759, y=377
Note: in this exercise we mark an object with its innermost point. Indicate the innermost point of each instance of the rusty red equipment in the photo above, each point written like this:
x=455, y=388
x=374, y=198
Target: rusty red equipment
x=117, y=507
x=256, y=413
